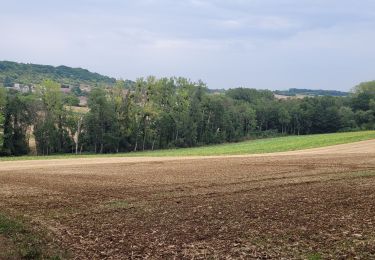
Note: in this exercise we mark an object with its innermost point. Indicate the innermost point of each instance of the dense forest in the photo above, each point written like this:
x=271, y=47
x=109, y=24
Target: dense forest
x=168, y=112
x=13, y=72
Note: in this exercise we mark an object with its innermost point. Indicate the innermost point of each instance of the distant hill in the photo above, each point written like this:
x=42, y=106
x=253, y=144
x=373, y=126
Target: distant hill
x=33, y=74
x=27, y=74
x=216, y=91
x=295, y=93
x=311, y=92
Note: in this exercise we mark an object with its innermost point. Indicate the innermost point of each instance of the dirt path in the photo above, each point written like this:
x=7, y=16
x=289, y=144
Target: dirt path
x=311, y=203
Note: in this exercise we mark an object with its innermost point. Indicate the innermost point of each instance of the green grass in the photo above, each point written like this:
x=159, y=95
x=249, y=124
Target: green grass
x=27, y=244
x=270, y=145
x=314, y=256
x=118, y=204
x=8, y=227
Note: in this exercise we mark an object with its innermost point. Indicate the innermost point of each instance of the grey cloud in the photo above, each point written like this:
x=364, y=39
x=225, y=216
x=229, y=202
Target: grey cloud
x=254, y=43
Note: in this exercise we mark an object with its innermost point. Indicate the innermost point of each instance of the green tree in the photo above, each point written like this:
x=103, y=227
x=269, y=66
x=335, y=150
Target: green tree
x=50, y=131
x=71, y=100
x=101, y=127
x=365, y=87
x=347, y=117
x=74, y=126
x=297, y=116
x=122, y=100
x=18, y=118
x=363, y=94
x=8, y=82
x=2, y=108
x=284, y=119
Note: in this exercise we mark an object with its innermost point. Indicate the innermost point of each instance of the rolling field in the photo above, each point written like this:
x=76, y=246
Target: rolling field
x=310, y=204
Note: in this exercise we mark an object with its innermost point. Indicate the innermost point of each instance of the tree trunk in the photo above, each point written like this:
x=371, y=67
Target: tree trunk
x=79, y=125
x=153, y=144
x=144, y=141
x=136, y=143
x=76, y=147
x=61, y=136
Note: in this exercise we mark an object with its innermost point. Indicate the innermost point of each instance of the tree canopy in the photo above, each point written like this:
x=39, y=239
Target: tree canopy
x=168, y=112
x=13, y=72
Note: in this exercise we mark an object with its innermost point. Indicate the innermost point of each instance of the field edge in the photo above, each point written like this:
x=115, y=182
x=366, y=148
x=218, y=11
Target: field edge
x=250, y=147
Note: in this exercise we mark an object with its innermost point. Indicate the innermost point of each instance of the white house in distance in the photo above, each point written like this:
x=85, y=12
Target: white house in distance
x=23, y=88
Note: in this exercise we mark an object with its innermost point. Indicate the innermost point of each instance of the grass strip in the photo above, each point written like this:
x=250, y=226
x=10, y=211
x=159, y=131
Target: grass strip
x=260, y=146
x=27, y=244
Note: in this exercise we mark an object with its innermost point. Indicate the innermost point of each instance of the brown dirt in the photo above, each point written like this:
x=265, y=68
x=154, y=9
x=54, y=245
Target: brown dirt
x=7, y=249
x=285, y=205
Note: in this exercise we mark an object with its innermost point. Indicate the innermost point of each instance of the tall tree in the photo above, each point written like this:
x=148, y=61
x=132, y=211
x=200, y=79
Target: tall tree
x=2, y=108
x=284, y=119
x=50, y=132
x=17, y=120
x=99, y=122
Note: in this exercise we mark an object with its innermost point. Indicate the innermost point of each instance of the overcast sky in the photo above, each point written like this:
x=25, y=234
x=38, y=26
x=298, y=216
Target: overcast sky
x=273, y=44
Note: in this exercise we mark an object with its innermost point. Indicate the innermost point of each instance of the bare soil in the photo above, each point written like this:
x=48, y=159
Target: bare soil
x=7, y=249
x=294, y=205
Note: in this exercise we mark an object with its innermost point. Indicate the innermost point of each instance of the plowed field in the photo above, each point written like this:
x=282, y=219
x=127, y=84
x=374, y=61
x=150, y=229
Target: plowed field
x=303, y=204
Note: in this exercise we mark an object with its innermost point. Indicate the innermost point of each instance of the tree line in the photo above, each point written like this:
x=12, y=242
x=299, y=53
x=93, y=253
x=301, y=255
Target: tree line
x=166, y=113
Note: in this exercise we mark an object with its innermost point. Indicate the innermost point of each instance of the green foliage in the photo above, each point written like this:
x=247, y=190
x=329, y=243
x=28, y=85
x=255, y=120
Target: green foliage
x=71, y=100
x=269, y=145
x=2, y=98
x=8, y=227
x=170, y=113
x=8, y=82
x=250, y=95
x=259, y=146
x=347, y=118
x=27, y=244
x=77, y=91
x=12, y=72
x=365, y=87
x=2, y=116
x=364, y=96
x=100, y=122
x=284, y=118
x=51, y=127
x=18, y=117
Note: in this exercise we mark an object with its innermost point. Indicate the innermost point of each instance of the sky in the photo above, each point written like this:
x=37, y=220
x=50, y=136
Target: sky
x=265, y=44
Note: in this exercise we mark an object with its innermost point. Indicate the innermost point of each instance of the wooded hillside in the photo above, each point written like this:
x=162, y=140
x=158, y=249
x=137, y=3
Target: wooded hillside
x=13, y=72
